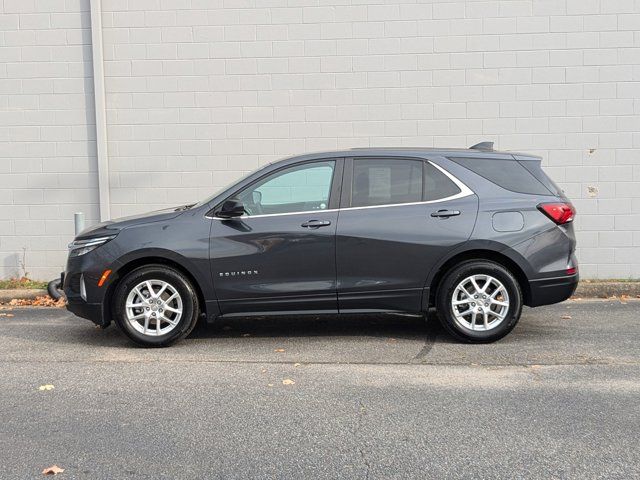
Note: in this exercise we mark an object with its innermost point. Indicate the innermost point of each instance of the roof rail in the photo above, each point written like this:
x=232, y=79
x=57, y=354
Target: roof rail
x=484, y=146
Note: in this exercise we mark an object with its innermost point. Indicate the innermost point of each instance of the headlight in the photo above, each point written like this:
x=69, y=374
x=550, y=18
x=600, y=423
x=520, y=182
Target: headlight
x=80, y=247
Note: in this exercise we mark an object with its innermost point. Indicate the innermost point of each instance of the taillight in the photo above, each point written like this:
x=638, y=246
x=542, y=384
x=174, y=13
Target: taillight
x=560, y=213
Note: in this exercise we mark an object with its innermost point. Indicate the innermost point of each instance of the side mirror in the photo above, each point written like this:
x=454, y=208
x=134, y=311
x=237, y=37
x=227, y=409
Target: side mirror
x=231, y=208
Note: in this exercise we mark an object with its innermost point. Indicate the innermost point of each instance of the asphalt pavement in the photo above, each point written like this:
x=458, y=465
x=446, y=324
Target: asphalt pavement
x=305, y=397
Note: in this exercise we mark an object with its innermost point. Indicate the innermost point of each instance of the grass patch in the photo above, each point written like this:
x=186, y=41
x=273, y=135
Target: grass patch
x=19, y=283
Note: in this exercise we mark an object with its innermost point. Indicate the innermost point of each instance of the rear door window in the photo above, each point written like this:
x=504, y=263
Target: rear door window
x=437, y=185
x=508, y=174
x=383, y=181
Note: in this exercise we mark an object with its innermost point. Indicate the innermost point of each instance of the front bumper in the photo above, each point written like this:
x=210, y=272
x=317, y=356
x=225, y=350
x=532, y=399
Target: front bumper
x=90, y=311
x=552, y=290
x=80, y=284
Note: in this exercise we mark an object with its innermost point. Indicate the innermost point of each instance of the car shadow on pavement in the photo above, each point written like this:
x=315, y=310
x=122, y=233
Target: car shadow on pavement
x=349, y=328
x=376, y=326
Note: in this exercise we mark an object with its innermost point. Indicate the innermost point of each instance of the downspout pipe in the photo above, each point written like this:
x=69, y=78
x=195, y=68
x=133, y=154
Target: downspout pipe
x=54, y=287
x=100, y=108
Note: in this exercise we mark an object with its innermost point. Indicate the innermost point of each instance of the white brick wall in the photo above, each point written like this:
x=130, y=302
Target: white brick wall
x=47, y=148
x=199, y=91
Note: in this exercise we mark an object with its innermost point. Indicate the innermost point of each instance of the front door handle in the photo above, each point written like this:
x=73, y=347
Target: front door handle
x=316, y=223
x=445, y=213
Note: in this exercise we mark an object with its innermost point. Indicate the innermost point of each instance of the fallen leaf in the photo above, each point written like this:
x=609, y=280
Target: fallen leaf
x=46, y=387
x=288, y=381
x=279, y=350
x=43, y=301
x=52, y=470
x=566, y=317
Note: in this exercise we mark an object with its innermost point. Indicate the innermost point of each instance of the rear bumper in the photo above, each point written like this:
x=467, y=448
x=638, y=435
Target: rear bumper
x=552, y=290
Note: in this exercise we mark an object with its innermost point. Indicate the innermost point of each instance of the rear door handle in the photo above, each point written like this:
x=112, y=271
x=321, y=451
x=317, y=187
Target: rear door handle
x=316, y=223
x=445, y=213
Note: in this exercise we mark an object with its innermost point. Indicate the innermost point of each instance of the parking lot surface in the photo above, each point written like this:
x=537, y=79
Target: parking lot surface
x=330, y=397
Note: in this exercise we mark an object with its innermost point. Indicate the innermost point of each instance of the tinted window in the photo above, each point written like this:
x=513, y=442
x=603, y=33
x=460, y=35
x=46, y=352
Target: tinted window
x=508, y=174
x=295, y=189
x=437, y=185
x=536, y=170
x=386, y=181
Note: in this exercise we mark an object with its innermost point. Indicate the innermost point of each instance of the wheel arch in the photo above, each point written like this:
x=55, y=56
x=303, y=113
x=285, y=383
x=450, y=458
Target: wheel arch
x=142, y=261
x=500, y=257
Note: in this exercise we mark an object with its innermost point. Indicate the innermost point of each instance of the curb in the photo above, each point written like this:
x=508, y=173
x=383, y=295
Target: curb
x=607, y=289
x=22, y=294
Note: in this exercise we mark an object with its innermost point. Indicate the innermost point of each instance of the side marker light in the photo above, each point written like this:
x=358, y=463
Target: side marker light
x=104, y=277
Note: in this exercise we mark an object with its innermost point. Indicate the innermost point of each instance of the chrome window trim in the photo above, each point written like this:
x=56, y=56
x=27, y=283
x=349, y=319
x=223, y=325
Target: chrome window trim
x=276, y=214
x=464, y=192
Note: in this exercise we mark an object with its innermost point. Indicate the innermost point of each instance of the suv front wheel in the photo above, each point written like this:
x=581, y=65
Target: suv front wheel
x=155, y=306
x=479, y=301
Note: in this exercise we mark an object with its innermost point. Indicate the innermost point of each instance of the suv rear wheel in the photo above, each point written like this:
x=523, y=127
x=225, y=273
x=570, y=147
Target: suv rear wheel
x=155, y=306
x=479, y=301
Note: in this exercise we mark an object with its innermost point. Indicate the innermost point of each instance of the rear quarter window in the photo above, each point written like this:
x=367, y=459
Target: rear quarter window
x=508, y=174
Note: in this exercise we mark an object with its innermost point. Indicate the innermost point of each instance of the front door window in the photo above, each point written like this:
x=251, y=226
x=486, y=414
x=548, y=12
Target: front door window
x=296, y=189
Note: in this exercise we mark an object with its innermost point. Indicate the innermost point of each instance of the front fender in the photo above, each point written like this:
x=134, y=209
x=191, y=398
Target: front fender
x=199, y=271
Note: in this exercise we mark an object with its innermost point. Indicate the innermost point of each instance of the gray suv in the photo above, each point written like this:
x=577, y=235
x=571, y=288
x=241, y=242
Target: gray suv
x=473, y=232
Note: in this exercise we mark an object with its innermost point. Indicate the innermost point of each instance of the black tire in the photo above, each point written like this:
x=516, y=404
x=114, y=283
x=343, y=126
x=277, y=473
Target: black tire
x=447, y=288
x=181, y=284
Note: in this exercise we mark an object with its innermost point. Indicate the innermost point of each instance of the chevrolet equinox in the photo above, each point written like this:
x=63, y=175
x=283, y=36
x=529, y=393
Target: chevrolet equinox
x=473, y=232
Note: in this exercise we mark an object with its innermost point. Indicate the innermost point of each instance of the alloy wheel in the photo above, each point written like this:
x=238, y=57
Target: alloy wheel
x=154, y=307
x=480, y=303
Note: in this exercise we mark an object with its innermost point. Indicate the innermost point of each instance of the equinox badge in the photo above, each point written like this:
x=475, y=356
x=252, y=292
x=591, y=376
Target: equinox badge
x=241, y=273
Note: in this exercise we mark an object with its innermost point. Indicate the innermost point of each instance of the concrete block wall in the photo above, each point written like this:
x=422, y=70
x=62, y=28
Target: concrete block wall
x=47, y=146
x=200, y=91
